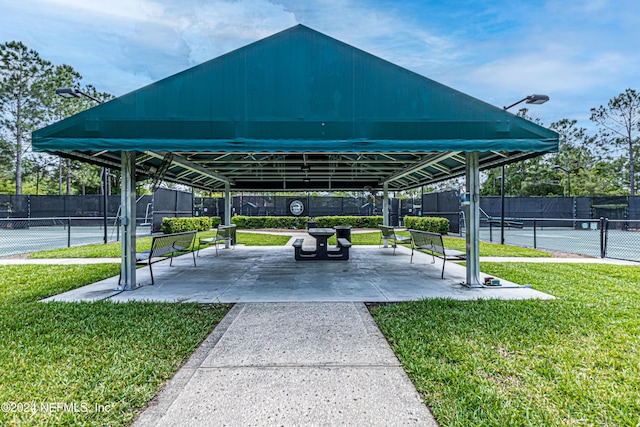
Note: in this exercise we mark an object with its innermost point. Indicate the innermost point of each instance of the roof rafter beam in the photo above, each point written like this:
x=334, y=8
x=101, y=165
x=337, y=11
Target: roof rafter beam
x=441, y=167
x=194, y=167
x=432, y=160
x=459, y=157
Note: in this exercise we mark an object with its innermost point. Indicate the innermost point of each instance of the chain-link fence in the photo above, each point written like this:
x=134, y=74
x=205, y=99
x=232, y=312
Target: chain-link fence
x=621, y=239
x=25, y=235
x=602, y=237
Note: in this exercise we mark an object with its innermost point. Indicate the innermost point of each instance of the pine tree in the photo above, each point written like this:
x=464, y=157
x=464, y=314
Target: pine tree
x=619, y=122
x=22, y=87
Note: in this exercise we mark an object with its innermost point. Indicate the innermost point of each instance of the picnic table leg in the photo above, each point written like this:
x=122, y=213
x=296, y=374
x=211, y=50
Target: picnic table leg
x=321, y=246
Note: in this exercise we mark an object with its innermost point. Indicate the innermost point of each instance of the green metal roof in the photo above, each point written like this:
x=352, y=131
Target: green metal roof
x=252, y=117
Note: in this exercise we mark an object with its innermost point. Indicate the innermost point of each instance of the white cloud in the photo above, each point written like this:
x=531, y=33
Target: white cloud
x=129, y=10
x=579, y=53
x=217, y=27
x=401, y=39
x=551, y=72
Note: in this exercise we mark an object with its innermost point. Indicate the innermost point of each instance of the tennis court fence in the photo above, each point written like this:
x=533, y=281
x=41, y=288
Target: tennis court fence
x=603, y=237
x=26, y=235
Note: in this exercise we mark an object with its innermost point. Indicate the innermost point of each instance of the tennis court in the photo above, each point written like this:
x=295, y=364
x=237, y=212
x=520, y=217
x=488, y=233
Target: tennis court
x=39, y=234
x=26, y=236
x=619, y=244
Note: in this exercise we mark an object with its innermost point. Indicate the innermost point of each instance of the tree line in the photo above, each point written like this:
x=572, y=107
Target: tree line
x=600, y=164
x=28, y=102
x=586, y=164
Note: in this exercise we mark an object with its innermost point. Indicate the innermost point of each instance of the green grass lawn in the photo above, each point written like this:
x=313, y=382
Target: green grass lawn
x=573, y=361
x=114, y=250
x=107, y=359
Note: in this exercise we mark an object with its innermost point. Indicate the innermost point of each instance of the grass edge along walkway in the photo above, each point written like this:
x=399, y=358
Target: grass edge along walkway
x=571, y=361
x=87, y=363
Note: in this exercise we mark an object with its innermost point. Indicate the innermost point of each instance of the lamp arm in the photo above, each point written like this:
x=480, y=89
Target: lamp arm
x=515, y=103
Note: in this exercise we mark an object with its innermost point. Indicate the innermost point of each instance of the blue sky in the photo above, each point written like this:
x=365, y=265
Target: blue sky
x=579, y=52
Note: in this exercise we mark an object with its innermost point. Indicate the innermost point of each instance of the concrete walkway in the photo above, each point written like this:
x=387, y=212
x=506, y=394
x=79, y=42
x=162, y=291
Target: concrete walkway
x=291, y=364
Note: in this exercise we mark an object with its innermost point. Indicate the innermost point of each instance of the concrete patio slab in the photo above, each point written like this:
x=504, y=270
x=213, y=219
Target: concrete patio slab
x=270, y=274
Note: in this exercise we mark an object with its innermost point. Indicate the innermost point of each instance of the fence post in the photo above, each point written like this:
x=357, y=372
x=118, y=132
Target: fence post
x=68, y=232
x=535, y=237
x=490, y=231
x=28, y=211
x=603, y=237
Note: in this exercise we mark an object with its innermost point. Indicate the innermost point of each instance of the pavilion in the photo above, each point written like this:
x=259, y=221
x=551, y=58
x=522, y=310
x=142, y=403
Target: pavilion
x=296, y=111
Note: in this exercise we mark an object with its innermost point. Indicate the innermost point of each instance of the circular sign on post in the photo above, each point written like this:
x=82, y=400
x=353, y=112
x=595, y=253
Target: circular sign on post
x=296, y=207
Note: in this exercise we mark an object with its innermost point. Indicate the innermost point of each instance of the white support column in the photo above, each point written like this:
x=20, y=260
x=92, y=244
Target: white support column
x=473, y=220
x=385, y=209
x=128, y=220
x=227, y=209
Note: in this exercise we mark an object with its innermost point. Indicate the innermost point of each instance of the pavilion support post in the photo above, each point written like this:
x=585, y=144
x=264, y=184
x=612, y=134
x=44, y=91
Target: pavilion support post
x=227, y=209
x=128, y=221
x=473, y=219
x=385, y=209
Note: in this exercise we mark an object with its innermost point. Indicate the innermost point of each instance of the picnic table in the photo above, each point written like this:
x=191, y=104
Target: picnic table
x=322, y=251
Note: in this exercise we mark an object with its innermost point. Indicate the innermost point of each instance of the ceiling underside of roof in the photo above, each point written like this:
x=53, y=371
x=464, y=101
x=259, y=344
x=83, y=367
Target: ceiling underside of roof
x=299, y=171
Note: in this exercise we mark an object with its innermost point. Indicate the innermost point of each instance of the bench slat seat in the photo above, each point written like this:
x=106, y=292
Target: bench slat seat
x=433, y=243
x=163, y=245
x=389, y=233
x=342, y=242
x=224, y=233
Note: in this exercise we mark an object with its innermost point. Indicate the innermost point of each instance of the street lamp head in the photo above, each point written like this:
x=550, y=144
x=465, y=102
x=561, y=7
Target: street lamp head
x=531, y=99
x=537, y=99
x=556, y=167
x=67, y=92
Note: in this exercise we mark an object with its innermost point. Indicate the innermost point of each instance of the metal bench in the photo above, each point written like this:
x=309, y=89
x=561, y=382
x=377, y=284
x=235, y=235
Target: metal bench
x=433, y=243
x=163, y=245
x=389, y=233
x=224, y=233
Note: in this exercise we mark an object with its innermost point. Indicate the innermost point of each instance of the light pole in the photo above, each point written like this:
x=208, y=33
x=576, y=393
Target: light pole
x=531, y=99
x=568, y=172
x=67, y=92
x=40, y=168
